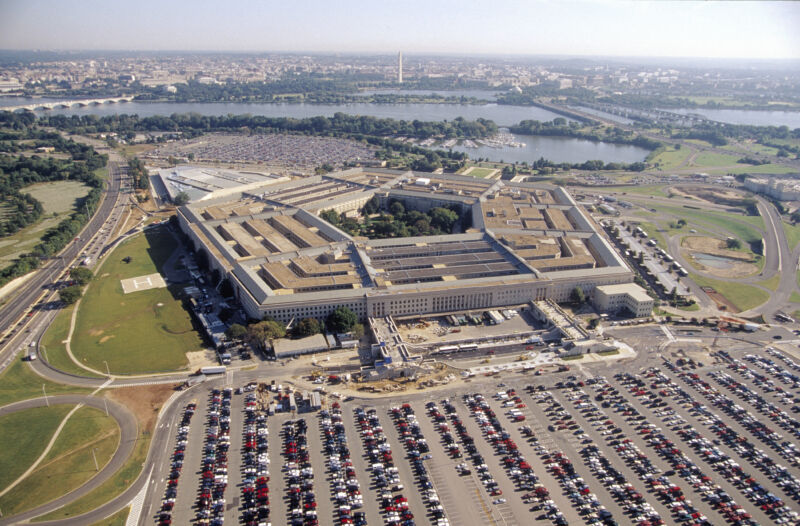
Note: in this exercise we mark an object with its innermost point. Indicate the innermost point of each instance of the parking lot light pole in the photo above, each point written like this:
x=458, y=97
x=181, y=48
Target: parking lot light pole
x=45, y=396
x=105, y=402
x=96, y=467
x=108, y=371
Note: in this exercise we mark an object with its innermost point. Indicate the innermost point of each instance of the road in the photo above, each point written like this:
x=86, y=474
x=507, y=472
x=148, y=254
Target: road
x=128, y=435
x=90, y=242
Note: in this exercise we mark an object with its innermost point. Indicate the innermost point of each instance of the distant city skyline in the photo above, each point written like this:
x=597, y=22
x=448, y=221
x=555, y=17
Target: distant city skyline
x=586, y=27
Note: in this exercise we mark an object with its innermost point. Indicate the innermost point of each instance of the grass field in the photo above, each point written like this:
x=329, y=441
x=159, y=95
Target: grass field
x=141, y=332
x=118, y=519
x=24, y=436
x=792, y=234
x=477, y=171
x=715, y=159
x=745, y=297
x=795, y=297
x=671, y=158
x=70, y=462
x=771, y=283
x=656, y=190
x=52, y=345
x=59, y=198
x=19, y=382
x=731, y=223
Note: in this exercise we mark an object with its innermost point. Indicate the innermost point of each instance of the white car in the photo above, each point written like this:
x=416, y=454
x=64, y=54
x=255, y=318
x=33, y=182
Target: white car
x=501, y=500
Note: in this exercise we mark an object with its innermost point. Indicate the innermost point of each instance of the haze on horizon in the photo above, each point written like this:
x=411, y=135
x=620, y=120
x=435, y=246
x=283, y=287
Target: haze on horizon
x=538, y=27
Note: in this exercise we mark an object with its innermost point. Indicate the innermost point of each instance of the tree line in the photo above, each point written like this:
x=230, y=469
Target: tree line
x=559, y=127
x=17, y=172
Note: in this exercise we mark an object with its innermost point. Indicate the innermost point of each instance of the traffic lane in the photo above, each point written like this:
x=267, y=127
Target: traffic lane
x=128, y=434
x=319, y=463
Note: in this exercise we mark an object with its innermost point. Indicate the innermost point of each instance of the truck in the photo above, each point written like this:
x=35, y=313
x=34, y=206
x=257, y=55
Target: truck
x=194, y=380
x=86, y=261
x=750, y=327
x=215, y=369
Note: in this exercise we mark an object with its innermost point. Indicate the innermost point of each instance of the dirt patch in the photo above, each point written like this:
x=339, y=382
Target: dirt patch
x=144, y=401
x=722, y=302
x=713, y=195
x=96, y=332
x=740, y=266
x=104, y=339
x=198, y=359
x=710, y=245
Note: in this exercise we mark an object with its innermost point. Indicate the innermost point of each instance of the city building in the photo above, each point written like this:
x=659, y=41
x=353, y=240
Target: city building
x=614, y=298
x=527, y=242
x=780, y=189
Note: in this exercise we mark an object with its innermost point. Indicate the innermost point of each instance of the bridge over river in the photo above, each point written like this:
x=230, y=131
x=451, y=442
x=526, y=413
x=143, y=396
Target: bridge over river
x=51, y=105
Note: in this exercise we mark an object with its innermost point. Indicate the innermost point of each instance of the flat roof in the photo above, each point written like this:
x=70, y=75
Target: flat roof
x=631, y=289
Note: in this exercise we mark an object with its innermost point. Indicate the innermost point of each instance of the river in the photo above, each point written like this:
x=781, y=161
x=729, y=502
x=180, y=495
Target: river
x=752, y=117
x=558, y=149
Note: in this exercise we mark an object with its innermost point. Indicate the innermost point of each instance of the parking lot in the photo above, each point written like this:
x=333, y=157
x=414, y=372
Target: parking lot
x=672, y=443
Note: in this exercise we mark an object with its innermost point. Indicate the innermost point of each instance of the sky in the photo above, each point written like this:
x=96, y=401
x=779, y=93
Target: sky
x=525, y=27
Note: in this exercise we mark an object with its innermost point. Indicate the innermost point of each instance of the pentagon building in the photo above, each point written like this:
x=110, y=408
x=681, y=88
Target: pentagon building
x=527, y=242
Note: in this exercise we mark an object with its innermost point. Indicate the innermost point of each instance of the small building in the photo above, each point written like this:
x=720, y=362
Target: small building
x=613, y=298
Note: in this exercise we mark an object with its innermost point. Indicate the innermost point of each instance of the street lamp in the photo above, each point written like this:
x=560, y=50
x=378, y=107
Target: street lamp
x=96, y=467
x=108, y=371
x=45, y=396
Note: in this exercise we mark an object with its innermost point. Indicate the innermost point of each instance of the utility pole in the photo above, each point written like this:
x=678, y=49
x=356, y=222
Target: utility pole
x=45, y=396
x=96, y=467
x=108, y=371
x=105, y=402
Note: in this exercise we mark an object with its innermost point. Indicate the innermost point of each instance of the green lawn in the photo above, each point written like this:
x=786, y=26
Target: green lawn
x=731, y=223
x=671, y=158
x=656, y=190
x=745, y=297
x=109, y=489
x=69, y=464
x=762, y=169
x=19, y=382
x=58, y=200
x=141, y=332
x=771, y=283
x=795, y=297
x=24, y=436
x=118, y=519
x=715, y=159
x=480, y=172
x=652, y=230
x=52, y=345
x=792, y=234
x=689, y=308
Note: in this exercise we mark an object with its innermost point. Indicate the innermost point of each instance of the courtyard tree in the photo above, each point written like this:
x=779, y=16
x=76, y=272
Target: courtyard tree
x=181, y=198
x=260, y=332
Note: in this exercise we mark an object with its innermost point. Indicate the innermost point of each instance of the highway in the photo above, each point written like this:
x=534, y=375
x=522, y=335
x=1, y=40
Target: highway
x=21, y=310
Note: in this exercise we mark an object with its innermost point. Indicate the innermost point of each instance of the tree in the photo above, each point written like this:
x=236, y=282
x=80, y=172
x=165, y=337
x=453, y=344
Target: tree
x=181, y=199
x=681, y=223
x=306, y=327
x=796, y=216
x=341, y=320
x=236, y=332
x=397, y=209
x=260, y=332
x=577, y=296
x=330, y=216
x=443, y=219
x=81, y=274
x=70, y=295
x=733, y=243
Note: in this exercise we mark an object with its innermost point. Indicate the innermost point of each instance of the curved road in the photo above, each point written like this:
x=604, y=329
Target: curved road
x=128, y=435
